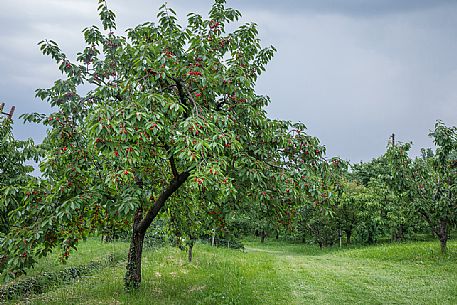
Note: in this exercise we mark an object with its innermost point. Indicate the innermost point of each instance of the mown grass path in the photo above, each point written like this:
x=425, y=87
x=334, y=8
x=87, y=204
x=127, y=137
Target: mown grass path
x=389, y=274
x=274, y=273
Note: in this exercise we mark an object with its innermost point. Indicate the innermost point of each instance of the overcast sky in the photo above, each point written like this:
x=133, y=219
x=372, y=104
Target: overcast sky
x=354, y=71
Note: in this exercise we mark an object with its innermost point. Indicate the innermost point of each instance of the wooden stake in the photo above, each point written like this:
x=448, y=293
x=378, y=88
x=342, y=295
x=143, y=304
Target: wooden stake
x=10, y=115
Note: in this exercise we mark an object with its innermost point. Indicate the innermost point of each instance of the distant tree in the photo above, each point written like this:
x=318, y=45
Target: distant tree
x=321, y=217
x=348, y=210
x=388, y=193
x=431, y=181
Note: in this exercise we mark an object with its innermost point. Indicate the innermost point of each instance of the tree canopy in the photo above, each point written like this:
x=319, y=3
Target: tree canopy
x=171, y=116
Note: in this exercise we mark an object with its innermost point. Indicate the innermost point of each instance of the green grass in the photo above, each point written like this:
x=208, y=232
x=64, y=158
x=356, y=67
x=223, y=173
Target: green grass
x=409, y=273
x=276, y=273
x=88, y=250
x=50, y=272
x=217, y=276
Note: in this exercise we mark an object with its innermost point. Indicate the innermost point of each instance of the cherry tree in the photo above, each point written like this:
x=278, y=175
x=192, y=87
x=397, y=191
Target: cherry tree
x=172, y=111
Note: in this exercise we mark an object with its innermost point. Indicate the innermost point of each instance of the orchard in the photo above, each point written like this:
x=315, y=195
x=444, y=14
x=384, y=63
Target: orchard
x=172, y=134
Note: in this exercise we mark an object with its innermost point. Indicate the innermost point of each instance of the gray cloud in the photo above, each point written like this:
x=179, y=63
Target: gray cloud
x=358, y=8
x=354, y=81
x=353, y=71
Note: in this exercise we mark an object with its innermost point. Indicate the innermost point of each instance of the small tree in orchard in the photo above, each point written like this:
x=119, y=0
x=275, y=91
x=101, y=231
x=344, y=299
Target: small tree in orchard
x=431, y=182
x=399, y=212
x=359, y=213
x=172, y=111
x=375, y=203
x=388, y=189
x=443, y=214
x=279, y=187
x=344, y=206
x=325, y=194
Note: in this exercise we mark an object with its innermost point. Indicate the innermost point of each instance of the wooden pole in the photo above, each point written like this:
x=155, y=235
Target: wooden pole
x=212, y=237
x=10, y=114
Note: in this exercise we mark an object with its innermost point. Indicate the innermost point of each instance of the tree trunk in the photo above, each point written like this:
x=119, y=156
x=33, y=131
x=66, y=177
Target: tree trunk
x=340, y=237
x=443, y=243
x=132, y=277
x=191, y=246
x=106, y=238
x=443, y=236
x=399, y=233
x=370, y=238
x=3, y=261
x=348, y=236
x=262, y=236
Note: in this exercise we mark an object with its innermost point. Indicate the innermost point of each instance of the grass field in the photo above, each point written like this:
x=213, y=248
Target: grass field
x=273, y=273
x=91, y=249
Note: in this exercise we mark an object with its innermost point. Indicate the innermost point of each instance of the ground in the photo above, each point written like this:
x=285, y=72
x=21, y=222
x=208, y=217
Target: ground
x=274, y=273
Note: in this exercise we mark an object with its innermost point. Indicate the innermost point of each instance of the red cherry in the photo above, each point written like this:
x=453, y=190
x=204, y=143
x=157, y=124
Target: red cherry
x=195, y=73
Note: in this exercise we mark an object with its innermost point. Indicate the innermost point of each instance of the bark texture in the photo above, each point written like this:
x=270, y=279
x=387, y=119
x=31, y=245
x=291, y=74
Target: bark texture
x=132, y=278
x=141, y=223
x=443, y=236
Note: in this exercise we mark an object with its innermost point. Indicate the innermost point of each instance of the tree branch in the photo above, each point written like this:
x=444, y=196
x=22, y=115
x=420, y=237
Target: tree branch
x=173, y=167
x=160, y=202
x=182, y=95
x=189, y=95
